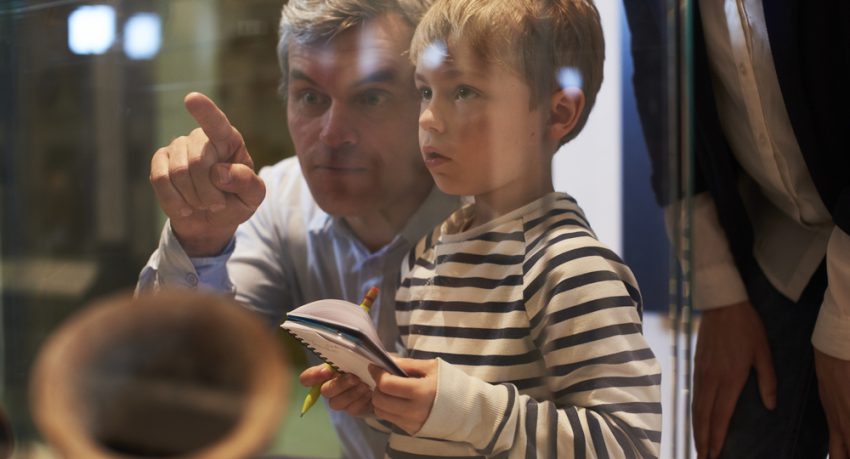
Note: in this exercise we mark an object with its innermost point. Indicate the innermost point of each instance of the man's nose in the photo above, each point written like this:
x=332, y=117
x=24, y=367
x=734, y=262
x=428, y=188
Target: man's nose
x=337, y=130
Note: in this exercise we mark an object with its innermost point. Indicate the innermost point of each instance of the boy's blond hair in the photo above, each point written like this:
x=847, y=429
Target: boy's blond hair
x=545, y=41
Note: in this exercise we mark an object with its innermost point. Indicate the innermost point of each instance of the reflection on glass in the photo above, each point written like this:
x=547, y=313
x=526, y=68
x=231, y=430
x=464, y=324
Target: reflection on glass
x=142, y=35
x=89, y=94
x=91, y=29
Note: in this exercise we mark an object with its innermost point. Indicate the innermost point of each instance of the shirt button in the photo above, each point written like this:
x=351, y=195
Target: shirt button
x=192, y=279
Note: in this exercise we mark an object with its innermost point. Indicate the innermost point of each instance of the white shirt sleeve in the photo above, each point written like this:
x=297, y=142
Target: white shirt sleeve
x=716, y=280
x=832, y=329
x=170, y=267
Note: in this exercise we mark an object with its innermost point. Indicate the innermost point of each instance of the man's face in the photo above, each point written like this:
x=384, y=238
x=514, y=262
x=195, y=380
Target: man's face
x=352, y=109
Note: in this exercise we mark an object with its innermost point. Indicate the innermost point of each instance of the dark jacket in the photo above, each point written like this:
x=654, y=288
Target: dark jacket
x=810, y=43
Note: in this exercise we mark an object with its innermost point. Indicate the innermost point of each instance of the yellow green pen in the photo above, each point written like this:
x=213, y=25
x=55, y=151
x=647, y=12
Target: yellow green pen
x=315, y=390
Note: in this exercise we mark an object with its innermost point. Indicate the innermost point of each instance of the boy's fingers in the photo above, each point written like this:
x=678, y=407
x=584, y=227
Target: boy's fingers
x=348, y=397
x=315, y=375
x=339, y=385
x=398, y=386
x=414, y=367
x=388, y=383
x=390, y=403
x=362, y=405
x=224, y=137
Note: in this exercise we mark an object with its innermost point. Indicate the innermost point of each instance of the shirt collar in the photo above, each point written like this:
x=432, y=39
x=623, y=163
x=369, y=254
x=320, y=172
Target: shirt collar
x=433, y=210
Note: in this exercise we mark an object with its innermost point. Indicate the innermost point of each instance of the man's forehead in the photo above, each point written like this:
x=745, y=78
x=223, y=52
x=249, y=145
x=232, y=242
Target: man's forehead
x=382, y=40
x=360, y=68
x=354, y=57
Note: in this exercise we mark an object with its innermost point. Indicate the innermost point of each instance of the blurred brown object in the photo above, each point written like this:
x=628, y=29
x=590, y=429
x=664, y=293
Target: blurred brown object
x=177, y=374
x=7, y=440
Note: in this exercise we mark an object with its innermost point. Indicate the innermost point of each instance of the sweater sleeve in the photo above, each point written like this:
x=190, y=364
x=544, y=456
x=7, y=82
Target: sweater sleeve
x=603, y=378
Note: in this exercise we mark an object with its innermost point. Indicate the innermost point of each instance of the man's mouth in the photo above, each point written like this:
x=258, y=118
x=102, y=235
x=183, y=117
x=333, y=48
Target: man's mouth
x=340, y=167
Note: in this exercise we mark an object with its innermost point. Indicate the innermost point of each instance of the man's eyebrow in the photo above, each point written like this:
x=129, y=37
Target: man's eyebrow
x=296, y=74
x=380, y=76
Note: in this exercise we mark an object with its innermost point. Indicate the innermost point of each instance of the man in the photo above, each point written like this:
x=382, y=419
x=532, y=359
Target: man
x=334, y=221
x=771, y=221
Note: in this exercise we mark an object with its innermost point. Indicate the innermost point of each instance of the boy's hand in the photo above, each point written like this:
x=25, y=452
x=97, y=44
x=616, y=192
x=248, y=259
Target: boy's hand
x=348, y=393
x=406, y=402
x=345, y=392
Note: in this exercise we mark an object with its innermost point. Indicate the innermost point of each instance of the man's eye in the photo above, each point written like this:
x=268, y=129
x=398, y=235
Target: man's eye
x=311, y=98
x=425, y=93
x=373, y=98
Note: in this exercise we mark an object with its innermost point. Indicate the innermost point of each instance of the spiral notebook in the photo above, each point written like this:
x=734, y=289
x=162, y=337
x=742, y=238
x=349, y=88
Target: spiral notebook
x=342, y=334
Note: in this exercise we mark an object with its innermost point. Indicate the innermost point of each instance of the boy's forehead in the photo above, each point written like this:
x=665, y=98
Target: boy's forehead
x=451, y=61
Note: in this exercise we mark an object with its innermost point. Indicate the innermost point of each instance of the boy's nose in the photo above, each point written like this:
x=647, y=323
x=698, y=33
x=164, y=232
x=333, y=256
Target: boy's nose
x=429, y=121
x=337, y=129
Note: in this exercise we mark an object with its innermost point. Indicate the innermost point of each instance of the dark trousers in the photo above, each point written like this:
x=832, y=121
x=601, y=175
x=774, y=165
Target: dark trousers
x=797, y=427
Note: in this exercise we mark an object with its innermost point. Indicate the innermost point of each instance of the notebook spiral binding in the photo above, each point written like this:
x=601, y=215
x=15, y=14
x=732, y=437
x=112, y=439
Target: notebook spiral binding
x=316, y=352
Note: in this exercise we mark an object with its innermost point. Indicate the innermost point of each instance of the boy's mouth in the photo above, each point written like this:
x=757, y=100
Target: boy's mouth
x=429, y=152
x=432, y=157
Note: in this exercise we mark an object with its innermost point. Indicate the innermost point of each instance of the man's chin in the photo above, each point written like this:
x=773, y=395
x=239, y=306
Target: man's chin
x=341, y=203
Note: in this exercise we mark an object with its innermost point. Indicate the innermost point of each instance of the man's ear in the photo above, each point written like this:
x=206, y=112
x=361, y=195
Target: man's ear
x=565, y=108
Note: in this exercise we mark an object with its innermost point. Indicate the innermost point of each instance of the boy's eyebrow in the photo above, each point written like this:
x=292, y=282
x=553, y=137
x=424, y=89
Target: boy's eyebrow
x=450, y=72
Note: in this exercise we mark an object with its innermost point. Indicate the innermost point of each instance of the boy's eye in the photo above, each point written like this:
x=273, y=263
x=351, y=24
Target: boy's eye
x=425, y=93
x=465, y=92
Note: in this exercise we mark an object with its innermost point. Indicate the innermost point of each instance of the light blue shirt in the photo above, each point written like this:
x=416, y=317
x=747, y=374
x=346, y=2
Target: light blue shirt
x=290, y=253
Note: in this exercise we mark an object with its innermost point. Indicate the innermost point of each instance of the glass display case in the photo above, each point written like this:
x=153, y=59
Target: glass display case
x=89, y=90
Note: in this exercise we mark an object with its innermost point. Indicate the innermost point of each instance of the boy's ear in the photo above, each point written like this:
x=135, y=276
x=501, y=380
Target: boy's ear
x=565, y=108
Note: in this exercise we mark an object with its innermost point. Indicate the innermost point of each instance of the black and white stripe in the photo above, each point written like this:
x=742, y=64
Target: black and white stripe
x=534, y=303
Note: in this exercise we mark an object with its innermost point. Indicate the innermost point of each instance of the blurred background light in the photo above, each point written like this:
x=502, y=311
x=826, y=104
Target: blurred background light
x=142, y=36
x=91, y=29
x=570, y=77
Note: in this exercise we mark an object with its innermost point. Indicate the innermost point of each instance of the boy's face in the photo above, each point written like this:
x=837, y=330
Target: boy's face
x=351, y=108
x=477, y=132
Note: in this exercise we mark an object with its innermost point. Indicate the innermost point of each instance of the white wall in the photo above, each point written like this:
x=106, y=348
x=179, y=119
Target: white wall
x=590, y=167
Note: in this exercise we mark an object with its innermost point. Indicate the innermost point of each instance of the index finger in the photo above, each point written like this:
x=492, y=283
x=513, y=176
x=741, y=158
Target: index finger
x=223, y=136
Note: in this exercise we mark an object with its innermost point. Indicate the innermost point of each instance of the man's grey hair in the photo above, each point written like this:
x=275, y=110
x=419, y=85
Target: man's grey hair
x=308, y=22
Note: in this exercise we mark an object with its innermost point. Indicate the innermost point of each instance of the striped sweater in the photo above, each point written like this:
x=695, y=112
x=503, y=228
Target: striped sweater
x=537, y=330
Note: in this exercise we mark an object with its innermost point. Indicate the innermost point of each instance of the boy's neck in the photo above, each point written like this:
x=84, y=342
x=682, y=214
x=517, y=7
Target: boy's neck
x=499, y=202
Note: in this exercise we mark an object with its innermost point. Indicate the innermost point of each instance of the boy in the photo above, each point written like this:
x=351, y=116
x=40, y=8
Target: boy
x=523, y=331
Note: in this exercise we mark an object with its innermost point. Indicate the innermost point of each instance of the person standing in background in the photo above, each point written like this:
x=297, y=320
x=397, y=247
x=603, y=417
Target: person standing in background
x=771, y=217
